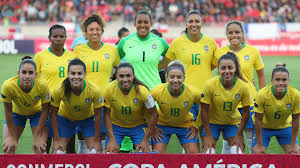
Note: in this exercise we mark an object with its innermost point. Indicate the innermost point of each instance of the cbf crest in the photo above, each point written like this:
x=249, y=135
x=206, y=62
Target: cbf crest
x=288, y=106
x=106, y=56
x=186, y=103
x=154, y=46
x=37, y=97
x=246, y=57
x=205, y=48
x=135, y=101
x=237, y=96
x=88, y=101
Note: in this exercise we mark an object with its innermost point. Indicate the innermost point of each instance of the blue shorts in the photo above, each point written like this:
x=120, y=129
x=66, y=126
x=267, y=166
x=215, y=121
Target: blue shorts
x=103, y=129
x=228, y=130
x=136, y=133
x=195, y=110
x=67, y=128
x=250, y=124
x=48, y=123
x=283, y=136
x=20, y=120
x=180, y=132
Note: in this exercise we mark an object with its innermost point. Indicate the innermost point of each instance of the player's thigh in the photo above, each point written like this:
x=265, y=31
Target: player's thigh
x=18, y=132
x=191, y=148
x=160, y=147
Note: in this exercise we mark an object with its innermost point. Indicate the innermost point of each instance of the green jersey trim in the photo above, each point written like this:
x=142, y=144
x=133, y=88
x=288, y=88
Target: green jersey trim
x=235, y=80
x=272, y=89
x=20, y=85
x=87, y=43
x=49, y=49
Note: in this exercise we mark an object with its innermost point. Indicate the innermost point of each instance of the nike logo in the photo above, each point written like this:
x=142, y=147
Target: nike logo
x=217, y=95
x=131, y=46
x=47, y=64
x=163, y=103
x=113, y=100
x=267, y=105
x=84, y=56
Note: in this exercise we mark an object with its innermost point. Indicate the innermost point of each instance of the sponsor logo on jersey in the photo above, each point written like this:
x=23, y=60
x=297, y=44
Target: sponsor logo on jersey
x=37, y=97
x=205, y=48
x=154, y=46
x=288, y=106
x=186, y=103
x=246, y=57
x=135, y=101
x=106, y=56
x=237, y=96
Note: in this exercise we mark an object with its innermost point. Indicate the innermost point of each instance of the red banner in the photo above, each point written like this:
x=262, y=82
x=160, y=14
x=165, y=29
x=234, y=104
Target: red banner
x=149, y=161
x=284, y=47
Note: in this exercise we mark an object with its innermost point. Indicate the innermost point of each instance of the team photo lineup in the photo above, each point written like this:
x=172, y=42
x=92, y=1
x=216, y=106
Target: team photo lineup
x=132, y=97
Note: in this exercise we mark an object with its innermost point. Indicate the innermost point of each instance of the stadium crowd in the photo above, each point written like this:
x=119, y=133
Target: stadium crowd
x=169, y=11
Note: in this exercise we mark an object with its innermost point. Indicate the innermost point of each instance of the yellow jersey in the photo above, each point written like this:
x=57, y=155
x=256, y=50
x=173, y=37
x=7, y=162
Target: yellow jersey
x=197, y=57
x=127, y=110
x=175, y=111
x=51, y=67
x=277, y=113
x=249, y=59
x=223, y=103
x=99, y=63
x=80, y=107
x=25, y=104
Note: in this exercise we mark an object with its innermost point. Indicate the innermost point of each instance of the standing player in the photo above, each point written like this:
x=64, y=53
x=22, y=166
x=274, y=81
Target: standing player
x=25, y=97
x=175, y=99
x=52, y=64
x=220, y=97
x=99, y=57
x=196, y=51
x=76, y=103
x=127, y=99
x=277, y=108
x=123, y=32
x=143, y=49
x=250, y=60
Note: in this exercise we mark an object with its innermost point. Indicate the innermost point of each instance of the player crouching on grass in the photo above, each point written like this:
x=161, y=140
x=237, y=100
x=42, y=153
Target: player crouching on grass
x=277, y=108
x=25, y=97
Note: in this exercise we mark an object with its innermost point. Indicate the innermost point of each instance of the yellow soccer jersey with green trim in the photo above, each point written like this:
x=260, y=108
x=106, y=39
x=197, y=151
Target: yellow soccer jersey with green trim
x=99, y=63
x=51, y=67
x=25, y=104
x=126, y=110
x=223, y=103
x=197, y=57
x=175, y=111
x=249, y=59
x=80, y=107
x=277, y=113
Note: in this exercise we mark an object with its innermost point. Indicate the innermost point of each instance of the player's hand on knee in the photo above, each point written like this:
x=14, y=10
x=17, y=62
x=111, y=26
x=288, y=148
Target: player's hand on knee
x=208, y=143
x=39, y=145
x=193, y=132
x=293, y=149
x=144, y=146
x=97, y=146
x=158, y=134
x=112, y=146
x=238, y=141
x=10, y=145
x=258, y=149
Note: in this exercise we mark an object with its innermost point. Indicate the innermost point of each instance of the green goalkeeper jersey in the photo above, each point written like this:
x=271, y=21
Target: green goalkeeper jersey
x=143, y=54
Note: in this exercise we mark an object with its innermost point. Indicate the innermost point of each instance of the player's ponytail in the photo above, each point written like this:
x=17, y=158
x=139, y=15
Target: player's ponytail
x=280, y=67
x=27, y=60
x=136, y=82
x=235, y=60
x=66, y=83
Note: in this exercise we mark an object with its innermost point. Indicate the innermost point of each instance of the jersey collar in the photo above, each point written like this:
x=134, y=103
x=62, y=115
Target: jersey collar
x=87, y=43
x=84, y=86
x=20, y=85
x=235, y=80
x=191, y=40
x=244, y=45
x=143, y=39
x=181, y=91
x=49, y=49
x=272, y=89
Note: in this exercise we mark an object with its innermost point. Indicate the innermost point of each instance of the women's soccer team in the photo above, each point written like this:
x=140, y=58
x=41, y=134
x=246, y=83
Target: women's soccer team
x=107, y=94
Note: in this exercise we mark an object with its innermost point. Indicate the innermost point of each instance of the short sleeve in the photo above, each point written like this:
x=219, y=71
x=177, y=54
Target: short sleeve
x=206, y=94
x=45, y=92
x=246, y=99
x=76, y=52
x=258, y=62
x=106, y=97
x=171, y=51
x=98, y=98
x=117, y=58
x=165, y=46
x=120, y=47
x=296, y=108
x=259, y=103
x=5, y=93
x=37, y=61
x=56, y=96
x=216, y=56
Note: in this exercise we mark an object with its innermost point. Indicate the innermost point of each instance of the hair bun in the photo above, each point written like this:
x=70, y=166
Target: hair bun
x=26, y=57
x=280, y=64
x=145, y=8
